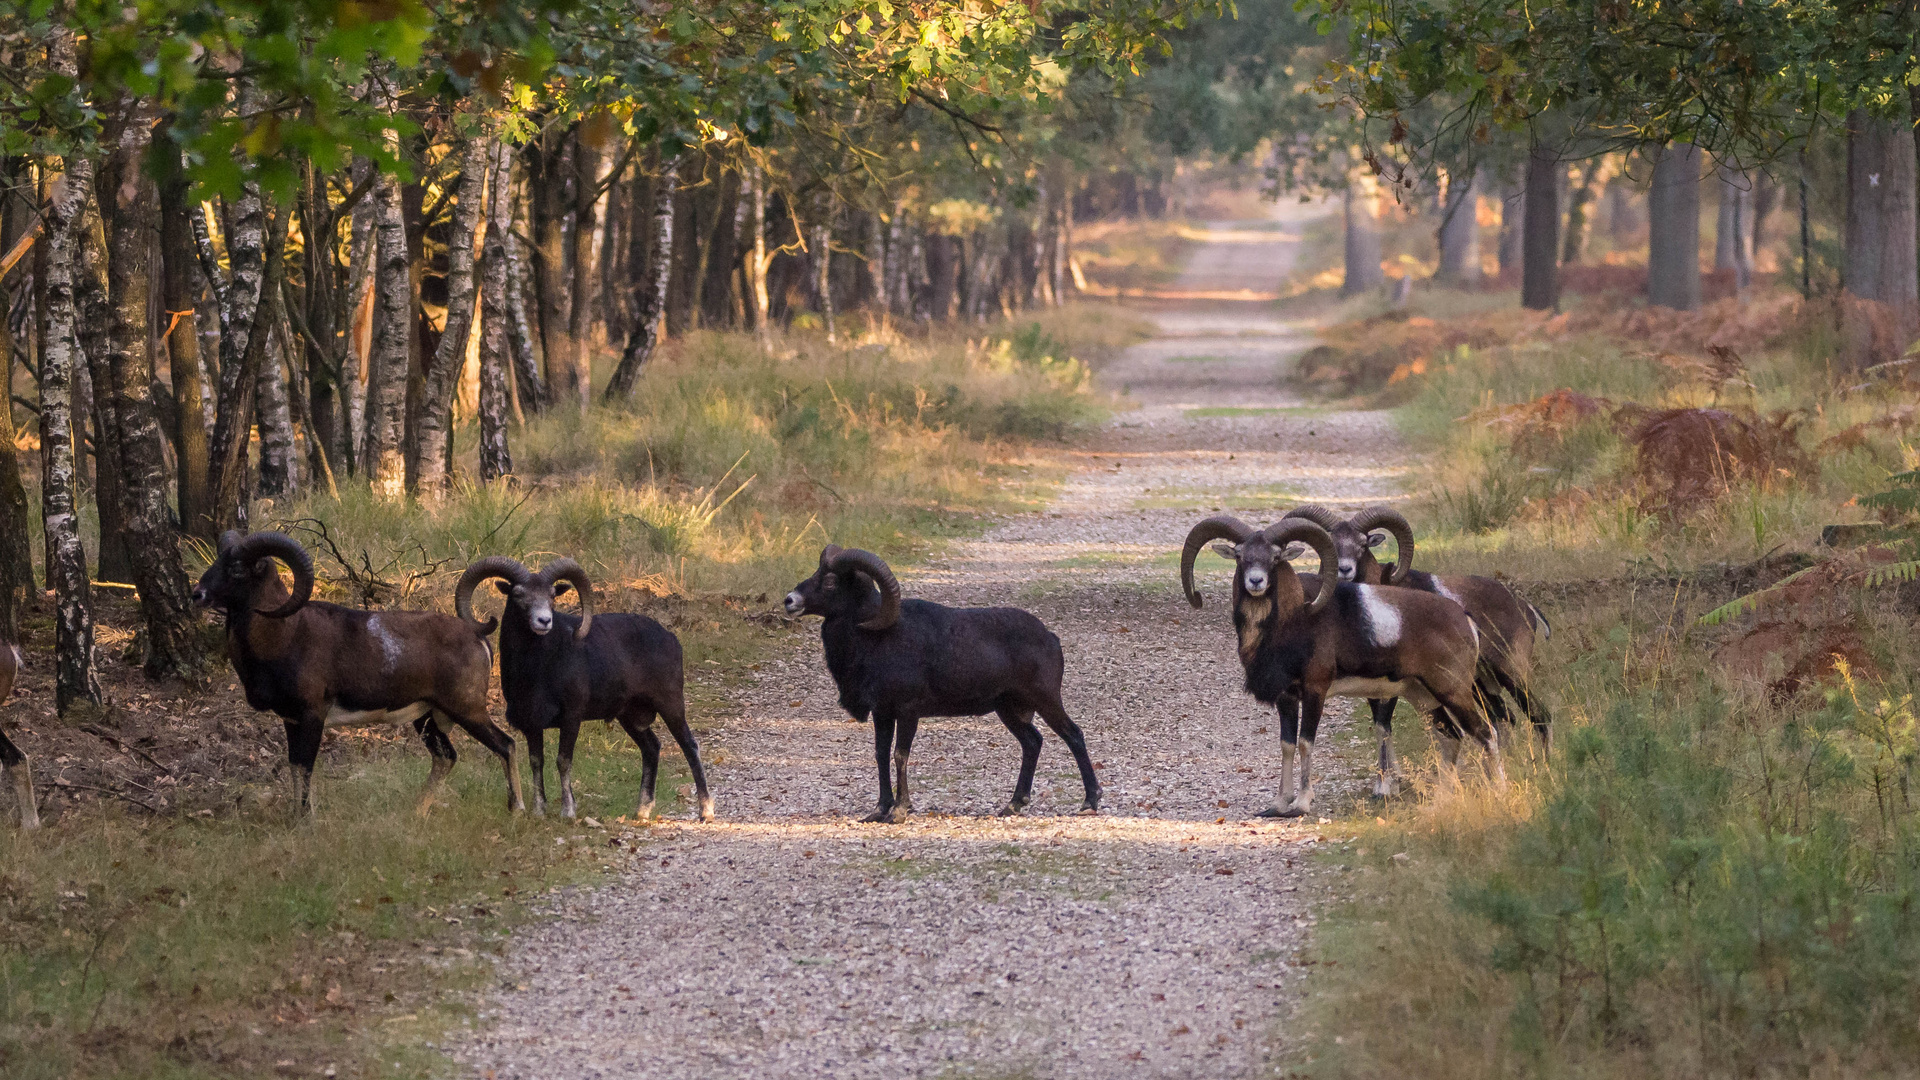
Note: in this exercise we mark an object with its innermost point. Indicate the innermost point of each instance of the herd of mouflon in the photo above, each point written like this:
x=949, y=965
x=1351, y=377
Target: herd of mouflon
x=1457, y=648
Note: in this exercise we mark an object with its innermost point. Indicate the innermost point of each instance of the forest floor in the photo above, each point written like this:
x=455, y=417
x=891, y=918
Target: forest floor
x=1162, y=938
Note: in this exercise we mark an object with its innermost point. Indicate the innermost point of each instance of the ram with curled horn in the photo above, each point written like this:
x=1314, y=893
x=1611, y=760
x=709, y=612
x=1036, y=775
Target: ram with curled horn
x=900, y=661
x=558, y=670
x=1346, y=641
x=319, y=665
x=1509, y=626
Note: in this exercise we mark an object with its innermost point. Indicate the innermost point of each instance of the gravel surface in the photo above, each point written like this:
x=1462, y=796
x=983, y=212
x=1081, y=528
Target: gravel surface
x=1158, y=939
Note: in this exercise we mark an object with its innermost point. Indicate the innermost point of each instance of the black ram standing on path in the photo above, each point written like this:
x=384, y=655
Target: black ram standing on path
x=320, y=665
x=557, y=670
x=900, y=661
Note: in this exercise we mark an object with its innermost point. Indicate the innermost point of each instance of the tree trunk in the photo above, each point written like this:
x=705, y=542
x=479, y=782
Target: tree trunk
x=363, y=255
x=651, y=304
x=1540, y=245
x=496, y=316
x=586, y=226
x=1673, y=228
x=392, y=345
x=877, y=265
x=274, y=415
x=1359, y=209
x=547, y=204
x=242, y=294
x=319, y=347
x=530, y=388
x=436, y=404
x=1042, y=232
x=17, y=214
x=1733, y=227
x=822, y=245
x=899, y=262
x=1575, y=248
x=114, y=562
x=1880, y=238
x=1513, y=214
x=230, y=487
x=180, y=289
x=131, y=207
x=1622, y=221
x=757, y=258
x=1460, y=232
x=75, y=677
x=1766, y=196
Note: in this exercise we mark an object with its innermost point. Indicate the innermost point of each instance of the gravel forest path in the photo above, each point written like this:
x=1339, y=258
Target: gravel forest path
x=1158, y=939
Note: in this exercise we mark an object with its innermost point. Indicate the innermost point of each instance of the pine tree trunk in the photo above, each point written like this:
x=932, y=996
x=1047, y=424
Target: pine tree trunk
x=436, y=406
x=1460, y=232
x=1880, y=253
x=1673, y=228
x=1358, y=207
x=652, y=301
x=131, y=207
x=76, y=679
x=392, y=344
x=114, y=562
x=180, y=289
x=1540, y=247
x=496, y=316
x=247, y=255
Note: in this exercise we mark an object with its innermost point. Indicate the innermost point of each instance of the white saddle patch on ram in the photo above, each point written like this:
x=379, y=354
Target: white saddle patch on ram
x=407, y=714
x=1413, y=690
x=1440, y=586
x=390, y=644
x=1383, y=619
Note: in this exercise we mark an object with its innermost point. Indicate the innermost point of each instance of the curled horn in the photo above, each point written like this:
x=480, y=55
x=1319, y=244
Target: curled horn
x=868, y=563
x=493, y=566
x=278, y=545
x=1315, y=513
x=828, y=554
x=228, y=539
x=1381, y=517
x=1220, y=526
x=570, y=571
x=1285, y=531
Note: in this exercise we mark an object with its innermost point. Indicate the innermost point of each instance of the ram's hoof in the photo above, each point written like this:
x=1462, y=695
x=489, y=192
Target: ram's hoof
x=875, y=818
x=1012, y=809
x=899, y=814
x=706, y=809
x=1281, y=812
x=644, y=812
x=1088, y=809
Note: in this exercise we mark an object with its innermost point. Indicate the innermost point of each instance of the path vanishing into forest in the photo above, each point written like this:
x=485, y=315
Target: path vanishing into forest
x=1158, y=939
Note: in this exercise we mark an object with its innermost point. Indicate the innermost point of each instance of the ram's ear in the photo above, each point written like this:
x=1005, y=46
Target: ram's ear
x=1225, y=550
x=560, y=588
x=1374, y=540
x=1293, y=551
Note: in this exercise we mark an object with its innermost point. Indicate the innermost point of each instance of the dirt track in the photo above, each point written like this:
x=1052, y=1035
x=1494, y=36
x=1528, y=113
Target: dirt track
x=1155, y=940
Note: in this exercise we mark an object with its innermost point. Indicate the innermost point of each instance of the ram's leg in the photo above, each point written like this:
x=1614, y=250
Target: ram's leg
x=638, y=722
x=1482, y=731
x=303, y=748
x=1311, y=705
x=432, y=729
x=1055, y=714
x=1530, y=704
x=1386, y=780
x=20, y=772
x=902, y=747
x=883, y=754
x=569, y=738
x=675, y=714
x=488, y=734
x=1289, y=711
x=537, y=762
x=1020, y=722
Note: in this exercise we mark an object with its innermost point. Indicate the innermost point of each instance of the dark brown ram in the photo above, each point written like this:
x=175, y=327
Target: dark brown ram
x=1365, y=641
x=319, y=665
x=557, y=670
x=901, y=660
x=1508, y=625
